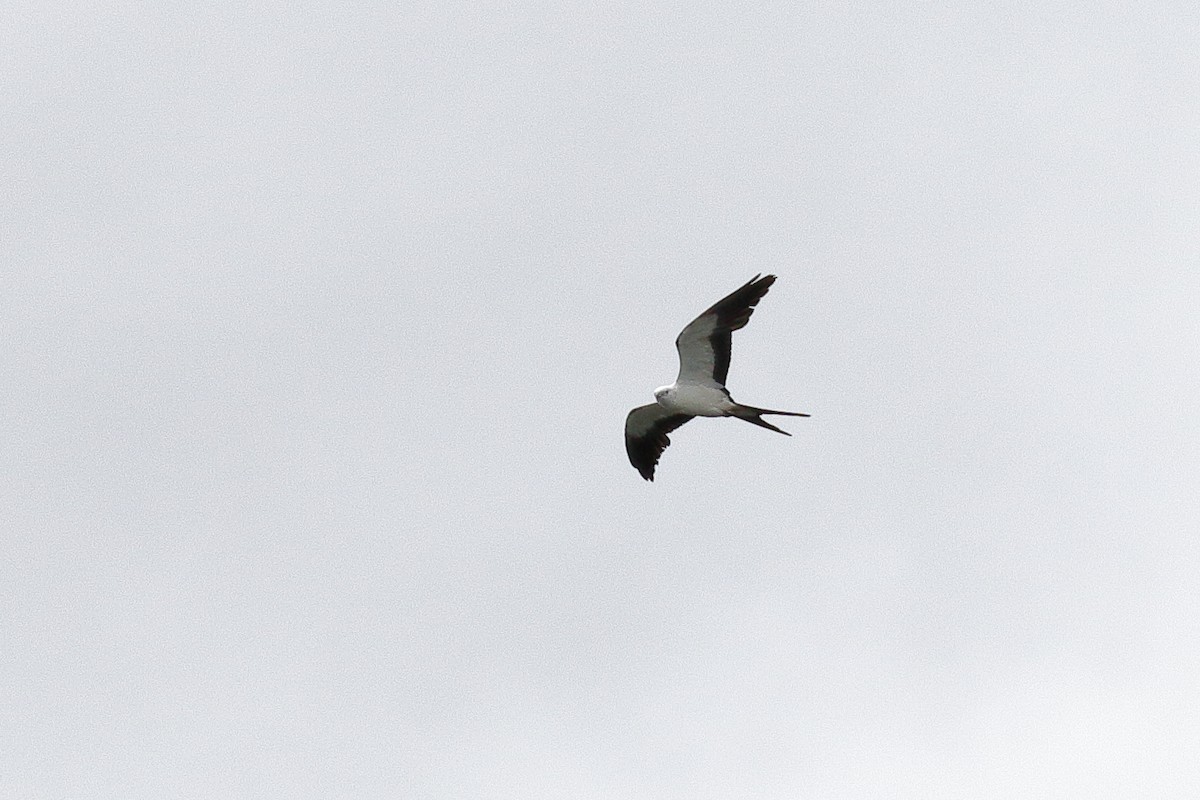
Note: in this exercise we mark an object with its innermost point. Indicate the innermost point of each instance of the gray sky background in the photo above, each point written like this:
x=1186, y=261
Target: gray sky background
x=321, y=321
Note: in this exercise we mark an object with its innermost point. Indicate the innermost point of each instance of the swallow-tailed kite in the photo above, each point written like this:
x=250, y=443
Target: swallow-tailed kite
x=699, y=391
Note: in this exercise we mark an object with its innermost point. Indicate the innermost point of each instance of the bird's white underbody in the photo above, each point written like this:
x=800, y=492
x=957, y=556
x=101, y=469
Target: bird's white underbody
x=695, y=400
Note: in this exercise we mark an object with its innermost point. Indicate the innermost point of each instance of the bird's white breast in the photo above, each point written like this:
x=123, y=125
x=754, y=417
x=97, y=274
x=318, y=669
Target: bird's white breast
x=695, y=399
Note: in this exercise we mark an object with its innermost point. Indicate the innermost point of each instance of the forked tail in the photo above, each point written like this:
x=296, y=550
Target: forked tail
x=752, y=414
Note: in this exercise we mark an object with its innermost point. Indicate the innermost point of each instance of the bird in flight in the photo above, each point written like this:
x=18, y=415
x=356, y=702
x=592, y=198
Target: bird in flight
x=699, y=391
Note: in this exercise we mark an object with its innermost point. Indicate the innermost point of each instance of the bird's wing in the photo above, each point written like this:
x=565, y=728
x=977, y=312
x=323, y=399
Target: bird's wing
x=704, y=345
x=646, y=430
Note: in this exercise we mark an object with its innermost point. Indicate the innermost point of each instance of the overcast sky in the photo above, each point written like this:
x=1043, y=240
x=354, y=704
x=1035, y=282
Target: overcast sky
x=320, y=323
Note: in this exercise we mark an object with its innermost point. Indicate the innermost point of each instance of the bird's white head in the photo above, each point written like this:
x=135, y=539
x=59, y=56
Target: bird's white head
x=662, y=393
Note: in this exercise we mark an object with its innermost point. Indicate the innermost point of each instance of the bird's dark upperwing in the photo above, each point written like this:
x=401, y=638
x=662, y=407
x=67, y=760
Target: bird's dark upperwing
x=646, y=430
x=705, y=344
